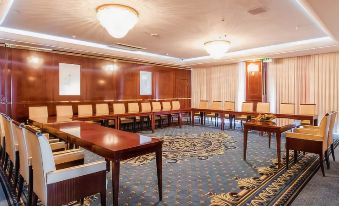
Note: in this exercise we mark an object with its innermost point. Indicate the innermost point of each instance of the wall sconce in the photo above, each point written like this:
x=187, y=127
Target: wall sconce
x=110, y=67
x=252, y=68
x=34, y=61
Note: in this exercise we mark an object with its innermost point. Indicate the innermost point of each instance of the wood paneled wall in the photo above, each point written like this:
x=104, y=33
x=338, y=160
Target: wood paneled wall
x=254, y=80
x=24, y=84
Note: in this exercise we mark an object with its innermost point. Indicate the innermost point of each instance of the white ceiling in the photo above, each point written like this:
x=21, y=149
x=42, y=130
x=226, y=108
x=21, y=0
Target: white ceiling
x=182, y=26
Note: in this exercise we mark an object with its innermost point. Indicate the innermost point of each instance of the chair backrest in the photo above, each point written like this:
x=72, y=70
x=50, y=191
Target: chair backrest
x=286, y=108
x=324, y=130
x=146, y=107
x=216, y=105
x=85, y=110
x=24, y=152
x=101, y=109
x=2, y=131
x=64, y=111
x=166, y=106
x=247, y=107
x=263, y=107
x=203, y=104
x=330, y=131
x=175, y=105
x=156, y=106
x=119, y=108
x=133, y=107
x=229, y=106
x=42, y=163
x=307, y=109
x=37, y=112
x=10, y=139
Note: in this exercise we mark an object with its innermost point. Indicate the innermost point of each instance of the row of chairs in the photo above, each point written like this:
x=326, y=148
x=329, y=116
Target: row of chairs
x=103, y=109
x=314, y=139
x=47, y=167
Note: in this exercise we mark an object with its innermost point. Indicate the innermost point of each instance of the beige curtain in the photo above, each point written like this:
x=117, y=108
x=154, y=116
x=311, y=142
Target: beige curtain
x=223, y=83
x=306, y=79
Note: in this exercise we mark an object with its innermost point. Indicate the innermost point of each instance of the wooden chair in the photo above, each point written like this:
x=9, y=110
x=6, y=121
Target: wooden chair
x=314, y=141
x=133, y=108
x=175, y=105
x=145, y=108
x=203, y=104
x=286, y=108
x=216, y=105
x=85, y=110
x=263, y=107
x=245, y=107
x=37, y=112
x=64, y=111
x=156, y=107
x=119, y=108
x=101, y=109
x=62, y=160
x=229, y=106
x=59, y=187
x=166, y=106
x=307, y=109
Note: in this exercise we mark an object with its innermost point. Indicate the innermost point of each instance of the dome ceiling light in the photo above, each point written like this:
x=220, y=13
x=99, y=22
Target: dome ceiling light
x=217, y=48
x=117, y=19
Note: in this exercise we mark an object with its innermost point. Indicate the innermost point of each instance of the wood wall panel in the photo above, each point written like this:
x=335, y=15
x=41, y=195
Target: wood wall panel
x=254, y=83
x=38, y=85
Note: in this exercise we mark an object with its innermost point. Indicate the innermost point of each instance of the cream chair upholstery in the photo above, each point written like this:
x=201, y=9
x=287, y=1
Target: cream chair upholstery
x=37, y=112
x=307, y=109
x=156, y=106
x=146, y=107
x=175, y=105
x=286, y=108
x=101, y=109
x=203, y=104
x=263, y=107
x=166, y=106
x=245, y=107
x=215, y=105
x=133, y=107
x=2, y=138
x=85, y=110
x=315, y=141
x=64, y=111
x=48, y=180
x=229, y=106
x=119, y=108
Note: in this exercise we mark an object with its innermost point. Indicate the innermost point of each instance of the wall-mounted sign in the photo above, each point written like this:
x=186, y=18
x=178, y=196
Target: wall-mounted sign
x=267, y=60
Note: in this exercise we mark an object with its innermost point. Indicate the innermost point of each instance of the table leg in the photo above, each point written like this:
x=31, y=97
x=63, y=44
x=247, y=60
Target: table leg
x=278, y=140
x=222, y=119
x=230, y=120
x=315, y=122
x=115, y=181
x=192, y=118
x=180, y=119
x=202, y=118
x=169, y=120
x=245, y=141
x=153, y=122
x=117, y=123
x=141, y=123
x=159, y=170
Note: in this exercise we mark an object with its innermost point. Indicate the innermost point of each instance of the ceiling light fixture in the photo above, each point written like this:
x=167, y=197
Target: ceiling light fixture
x=117, y=19
x=218, y=48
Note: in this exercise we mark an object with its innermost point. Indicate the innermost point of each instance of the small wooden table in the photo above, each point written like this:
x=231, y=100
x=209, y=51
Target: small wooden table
x=278, y=126
x=112, y=144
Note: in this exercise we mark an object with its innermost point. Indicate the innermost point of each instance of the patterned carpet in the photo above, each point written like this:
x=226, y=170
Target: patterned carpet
x=204, y=166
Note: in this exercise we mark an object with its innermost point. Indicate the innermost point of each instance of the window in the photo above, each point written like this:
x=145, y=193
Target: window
x=145, y=83
x=69, y=79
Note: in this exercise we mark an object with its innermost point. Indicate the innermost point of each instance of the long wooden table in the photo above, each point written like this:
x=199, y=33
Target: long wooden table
x=221, y=113
x=278, y=126
x=112, y=144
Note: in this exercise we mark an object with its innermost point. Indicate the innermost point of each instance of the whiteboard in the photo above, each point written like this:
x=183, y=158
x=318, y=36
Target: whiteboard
x=69, y=79
x=145, y=83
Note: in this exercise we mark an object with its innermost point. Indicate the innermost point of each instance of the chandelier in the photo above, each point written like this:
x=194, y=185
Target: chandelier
x=117, y=19
x=218, y=48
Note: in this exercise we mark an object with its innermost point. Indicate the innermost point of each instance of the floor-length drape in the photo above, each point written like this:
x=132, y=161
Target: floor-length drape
x=306, y=79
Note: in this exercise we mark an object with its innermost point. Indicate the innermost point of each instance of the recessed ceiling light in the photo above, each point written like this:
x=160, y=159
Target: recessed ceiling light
x=74, y=37
x=154, y=34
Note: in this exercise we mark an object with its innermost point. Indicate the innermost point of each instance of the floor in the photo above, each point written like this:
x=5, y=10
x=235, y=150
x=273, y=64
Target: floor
x=321, y=191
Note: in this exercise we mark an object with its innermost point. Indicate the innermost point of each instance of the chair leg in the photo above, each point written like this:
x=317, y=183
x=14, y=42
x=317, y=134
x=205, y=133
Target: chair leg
x=327, y=159
x=10, y=171
x=30, y=186
x=103, y=197
x=269, y=139
x=287, y=158
x=321, y=159
x=295, y=156
x=34, y=199
x=21, y=184
x=16, y=167
x=6, y=162
x=332, y=150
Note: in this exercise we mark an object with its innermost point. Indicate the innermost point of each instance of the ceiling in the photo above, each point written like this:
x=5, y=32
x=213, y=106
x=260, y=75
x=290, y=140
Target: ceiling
x=180, y=28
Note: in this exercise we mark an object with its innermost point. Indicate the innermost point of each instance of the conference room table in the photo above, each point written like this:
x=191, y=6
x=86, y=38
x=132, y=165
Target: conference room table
x=221, y=113
x=276, y=126
x=112, y=144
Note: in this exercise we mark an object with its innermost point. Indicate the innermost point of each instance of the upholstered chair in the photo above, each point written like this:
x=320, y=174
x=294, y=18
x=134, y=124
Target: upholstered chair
x=2, y=139
x=215, y=105
x=133, y=108
x=263, y=107
x=166, y=106
x=229, y=106
x=203, y=104
x=175, y=105
x=119, y=108
x=85, y=110
x=286, y=108
x=64, y=111
x=307, y=109
x=37, y=112
x=101, y=109
x=62, y=159
x=245, y=107
x=60, y=187
x=156, y=107
x=314, y=141
x=145, y=107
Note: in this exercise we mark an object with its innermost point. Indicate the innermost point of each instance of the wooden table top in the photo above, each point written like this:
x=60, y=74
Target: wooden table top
x=281, y=124
x=102, y=139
